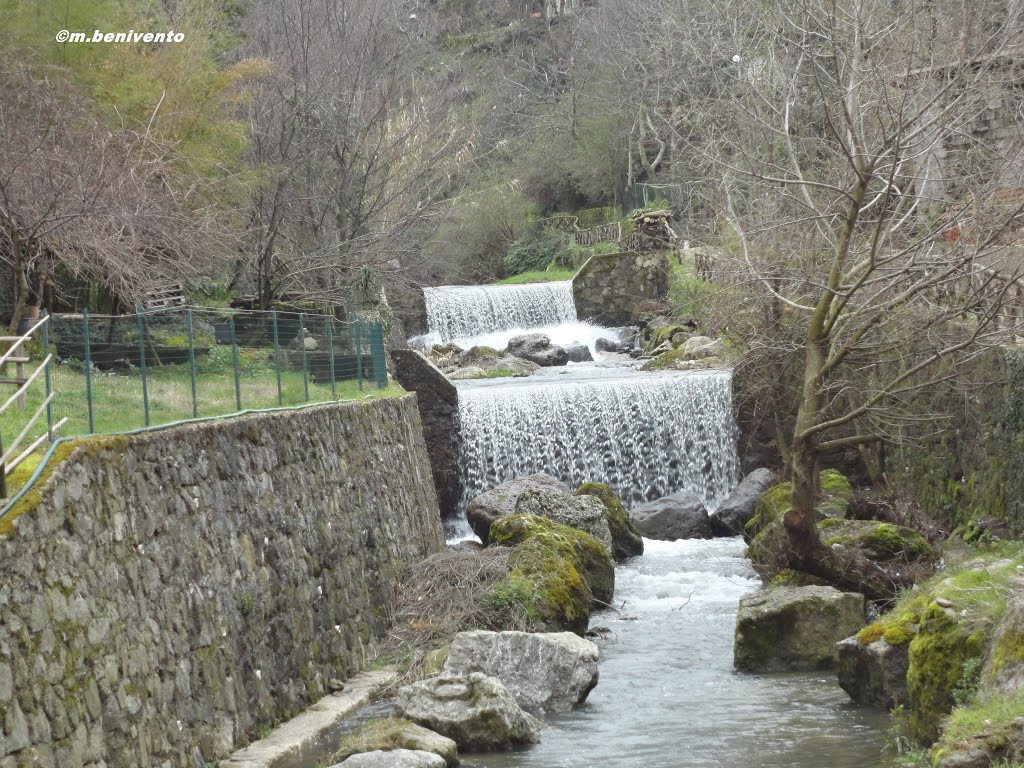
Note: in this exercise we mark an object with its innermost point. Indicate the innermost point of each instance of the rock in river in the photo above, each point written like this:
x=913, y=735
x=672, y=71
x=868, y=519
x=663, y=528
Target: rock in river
x=738, y=509
x=476, y=711
x=544, y=672
x=794, y=629
x=394, y=758
x=537, y=348
x=679, y=516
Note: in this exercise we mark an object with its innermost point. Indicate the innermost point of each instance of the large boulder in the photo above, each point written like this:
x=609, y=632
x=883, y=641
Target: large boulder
x=626, y=539
x=544, y=672
x=585, y=513
x=679, y=516
x=793, y=629
x=556, y=572
x=393, y=758
x=701, y=347
x=738, y=509
x=874, y=674
x=537, y=348
x=501, y=501
x=578, y=353
x=394, y=734
x=475, y=711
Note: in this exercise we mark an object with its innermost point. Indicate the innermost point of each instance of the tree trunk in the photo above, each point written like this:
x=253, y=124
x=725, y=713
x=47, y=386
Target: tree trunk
x=21, y=288
x=799, y=520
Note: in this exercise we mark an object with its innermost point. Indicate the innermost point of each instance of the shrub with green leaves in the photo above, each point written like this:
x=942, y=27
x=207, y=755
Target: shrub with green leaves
x=539, y=250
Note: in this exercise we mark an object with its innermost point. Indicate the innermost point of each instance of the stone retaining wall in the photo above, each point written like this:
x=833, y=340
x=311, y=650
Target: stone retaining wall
x=168, y=596
x=609, y=289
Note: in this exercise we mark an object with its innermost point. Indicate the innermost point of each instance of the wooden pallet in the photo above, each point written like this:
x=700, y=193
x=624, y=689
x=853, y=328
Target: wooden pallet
x=165, y=297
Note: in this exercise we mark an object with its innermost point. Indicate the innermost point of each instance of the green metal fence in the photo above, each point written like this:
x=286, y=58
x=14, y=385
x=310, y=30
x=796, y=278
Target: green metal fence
x=117, y=373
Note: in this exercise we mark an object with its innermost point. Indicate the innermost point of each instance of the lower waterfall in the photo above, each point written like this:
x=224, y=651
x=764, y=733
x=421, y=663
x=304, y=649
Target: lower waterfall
x=645, y=436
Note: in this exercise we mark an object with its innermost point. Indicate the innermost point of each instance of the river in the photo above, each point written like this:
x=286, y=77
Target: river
x=668, y=696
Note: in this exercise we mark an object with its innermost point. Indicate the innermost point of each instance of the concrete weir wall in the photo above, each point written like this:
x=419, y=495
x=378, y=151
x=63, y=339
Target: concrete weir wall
x=165, y=597
x=439, y=411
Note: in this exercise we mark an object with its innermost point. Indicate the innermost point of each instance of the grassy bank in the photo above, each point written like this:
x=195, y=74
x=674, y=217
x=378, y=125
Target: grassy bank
x=541, y=276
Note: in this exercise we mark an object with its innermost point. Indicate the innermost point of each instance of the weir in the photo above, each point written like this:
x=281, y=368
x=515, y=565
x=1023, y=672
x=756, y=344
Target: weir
x=645, y=435
x=462, y=312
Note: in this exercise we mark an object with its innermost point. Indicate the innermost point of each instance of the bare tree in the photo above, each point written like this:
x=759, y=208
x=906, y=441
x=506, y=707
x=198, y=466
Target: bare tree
x=103, y=203
x=852, y=156
x=355, y=146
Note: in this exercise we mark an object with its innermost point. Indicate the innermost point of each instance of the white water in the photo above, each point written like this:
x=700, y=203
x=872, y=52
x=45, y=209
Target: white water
x=461, y=313
x=646, y=435
x=668, y=696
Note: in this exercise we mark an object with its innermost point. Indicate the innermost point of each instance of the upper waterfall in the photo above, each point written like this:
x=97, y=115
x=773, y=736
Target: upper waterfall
x=645, y=436
x=462, y=312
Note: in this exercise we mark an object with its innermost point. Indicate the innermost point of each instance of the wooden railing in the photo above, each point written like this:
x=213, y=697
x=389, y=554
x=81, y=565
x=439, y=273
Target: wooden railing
x=587, y=238
x=18, y=356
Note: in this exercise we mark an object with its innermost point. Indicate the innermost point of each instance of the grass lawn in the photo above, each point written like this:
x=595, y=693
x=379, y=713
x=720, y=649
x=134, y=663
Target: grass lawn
x=540, y=276
x=117, y=400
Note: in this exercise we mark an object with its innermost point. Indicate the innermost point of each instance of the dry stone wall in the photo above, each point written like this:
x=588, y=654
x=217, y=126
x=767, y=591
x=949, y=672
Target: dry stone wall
x=609, y=289
x=168, y=596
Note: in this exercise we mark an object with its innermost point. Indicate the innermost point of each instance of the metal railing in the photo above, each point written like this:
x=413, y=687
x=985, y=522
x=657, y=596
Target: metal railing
x=105, y=374
x=18, y=355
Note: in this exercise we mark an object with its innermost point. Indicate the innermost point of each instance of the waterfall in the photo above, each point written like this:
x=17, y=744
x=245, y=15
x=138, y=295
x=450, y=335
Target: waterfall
x=464, y=312
x=646, y=436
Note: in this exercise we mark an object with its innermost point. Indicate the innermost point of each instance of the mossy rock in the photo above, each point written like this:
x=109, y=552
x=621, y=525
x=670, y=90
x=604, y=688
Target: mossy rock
x=990, y=725
x=836, y=496
x=881, y=557
x=396, y=733
x=626, y=539
x=939, y=655
x=654, y=338
x=678, y=360
x=557, y=571
x=794, y=628
x=790, y=578
x=877, y=540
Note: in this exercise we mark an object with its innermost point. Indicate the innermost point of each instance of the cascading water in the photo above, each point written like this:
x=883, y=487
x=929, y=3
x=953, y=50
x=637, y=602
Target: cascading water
x=491, y=314
x=646, y=436
x=455, y=312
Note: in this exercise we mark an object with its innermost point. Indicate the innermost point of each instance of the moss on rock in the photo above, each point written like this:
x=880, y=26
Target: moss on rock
x=877, y=554
x=879, y=541
x=836, y=495
x=557, y=571
x=991, y=725
x=946, y=624
x=939, y=653
x=794, y=628
x=626, y=539
x=34, y=495
x=396, y=733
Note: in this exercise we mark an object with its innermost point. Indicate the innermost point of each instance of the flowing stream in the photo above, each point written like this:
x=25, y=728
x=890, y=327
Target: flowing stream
x=668, y=696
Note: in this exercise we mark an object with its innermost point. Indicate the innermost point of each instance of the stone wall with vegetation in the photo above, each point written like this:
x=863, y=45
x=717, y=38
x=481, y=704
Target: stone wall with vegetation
x=169, y=596
x=972, y=471
x=610, y=289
